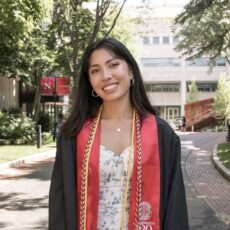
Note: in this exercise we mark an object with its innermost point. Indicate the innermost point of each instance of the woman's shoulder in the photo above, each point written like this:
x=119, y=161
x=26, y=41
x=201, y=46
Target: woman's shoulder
x=164, y=128
x=162, y=123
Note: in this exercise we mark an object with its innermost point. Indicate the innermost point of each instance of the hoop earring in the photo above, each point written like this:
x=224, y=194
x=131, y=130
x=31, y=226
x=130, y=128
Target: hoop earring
x=131, y=82
x=94, y=94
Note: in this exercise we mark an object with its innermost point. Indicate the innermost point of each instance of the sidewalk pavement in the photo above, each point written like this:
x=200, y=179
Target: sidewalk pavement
x=24, y=195
x=220, y=167
x=12, y=169
x=207, y=191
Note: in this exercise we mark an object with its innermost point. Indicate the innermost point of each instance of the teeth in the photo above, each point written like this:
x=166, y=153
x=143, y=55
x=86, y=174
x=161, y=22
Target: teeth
x=109, y=87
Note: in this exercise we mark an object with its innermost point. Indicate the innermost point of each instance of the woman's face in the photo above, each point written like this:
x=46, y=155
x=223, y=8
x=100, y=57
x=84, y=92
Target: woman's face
x=109, y=75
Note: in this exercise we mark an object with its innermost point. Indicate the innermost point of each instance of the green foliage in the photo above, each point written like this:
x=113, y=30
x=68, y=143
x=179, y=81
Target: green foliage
x=76, y=24
x=193, y=94
x=47, y=138
x=22, y=42
x=45, y=120
x=222, y=99
x=120, y=30
x=203, y=28
x=13, y=110
x=224, y=154
x=14, y=127
x=26, y=49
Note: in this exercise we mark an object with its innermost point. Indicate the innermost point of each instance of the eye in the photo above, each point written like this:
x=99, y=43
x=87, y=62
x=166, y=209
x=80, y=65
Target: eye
x=114, y=65
x=93, y=71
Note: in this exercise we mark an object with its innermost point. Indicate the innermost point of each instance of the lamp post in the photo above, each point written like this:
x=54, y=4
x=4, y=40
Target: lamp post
x=55, y=106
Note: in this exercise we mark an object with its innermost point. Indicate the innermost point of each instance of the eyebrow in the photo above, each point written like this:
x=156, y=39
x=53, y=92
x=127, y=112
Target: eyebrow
x=95, y=65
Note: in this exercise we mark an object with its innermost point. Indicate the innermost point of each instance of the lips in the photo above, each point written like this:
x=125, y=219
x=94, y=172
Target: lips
x=110, y=88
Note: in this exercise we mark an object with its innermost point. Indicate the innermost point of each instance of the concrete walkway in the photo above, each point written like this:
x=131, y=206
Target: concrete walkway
x=208, y=193
x=24, y=196
x=24, y=190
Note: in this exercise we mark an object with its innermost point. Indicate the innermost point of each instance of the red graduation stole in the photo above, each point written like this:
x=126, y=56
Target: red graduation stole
x=150, y=205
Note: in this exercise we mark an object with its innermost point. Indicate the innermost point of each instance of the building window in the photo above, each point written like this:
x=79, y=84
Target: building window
x=221, y=62
x=146, y=40
x=161, y=62
x=175, y=40
x=199, y=62
x=169, y=87
x=156, y=40
x=165, y=40
x=204, y=86
x=172, y=113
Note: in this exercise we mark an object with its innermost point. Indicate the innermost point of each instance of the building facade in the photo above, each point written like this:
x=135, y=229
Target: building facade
x=8, y=93
x=167, y=74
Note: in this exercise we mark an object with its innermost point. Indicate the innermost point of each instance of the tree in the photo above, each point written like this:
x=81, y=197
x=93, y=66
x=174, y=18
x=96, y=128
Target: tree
x=204, y=30
x=192, y=95
x=27, y=50
x=21, y=38
x=24, y=53
x=221, y=105
x=76, y=24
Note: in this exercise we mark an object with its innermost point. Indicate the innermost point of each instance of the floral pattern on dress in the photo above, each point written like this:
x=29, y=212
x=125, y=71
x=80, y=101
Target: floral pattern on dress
x=112, y=173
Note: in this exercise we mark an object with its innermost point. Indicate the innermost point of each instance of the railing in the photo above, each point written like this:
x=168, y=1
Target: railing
x=199, y=114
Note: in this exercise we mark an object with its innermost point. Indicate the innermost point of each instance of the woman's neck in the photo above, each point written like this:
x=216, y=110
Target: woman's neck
x=117, y=110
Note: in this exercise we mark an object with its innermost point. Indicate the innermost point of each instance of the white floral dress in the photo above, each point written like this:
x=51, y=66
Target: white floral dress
x=112, y=173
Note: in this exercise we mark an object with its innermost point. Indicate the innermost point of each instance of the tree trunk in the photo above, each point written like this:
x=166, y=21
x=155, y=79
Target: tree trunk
x=37, y=98
x=228, y=135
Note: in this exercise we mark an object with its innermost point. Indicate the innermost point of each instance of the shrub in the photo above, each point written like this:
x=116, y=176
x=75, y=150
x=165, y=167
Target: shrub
x=45, y=120
x=17, y=112
x=47, y=138
x=14, y=128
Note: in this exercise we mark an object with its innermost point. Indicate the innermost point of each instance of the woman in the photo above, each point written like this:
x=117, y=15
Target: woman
x=117, y=164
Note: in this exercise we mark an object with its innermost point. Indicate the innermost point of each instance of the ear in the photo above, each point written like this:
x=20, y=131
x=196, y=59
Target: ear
x=131, y=73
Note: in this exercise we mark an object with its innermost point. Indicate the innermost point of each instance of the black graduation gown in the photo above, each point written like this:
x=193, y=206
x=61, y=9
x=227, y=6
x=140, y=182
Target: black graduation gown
x=173, y=208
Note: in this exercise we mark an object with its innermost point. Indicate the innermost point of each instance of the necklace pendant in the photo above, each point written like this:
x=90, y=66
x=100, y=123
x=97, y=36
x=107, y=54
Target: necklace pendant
x=118, y=130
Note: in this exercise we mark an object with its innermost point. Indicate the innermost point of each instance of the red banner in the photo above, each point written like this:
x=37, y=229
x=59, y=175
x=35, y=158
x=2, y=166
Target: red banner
x=49, y=85
x=63, y=86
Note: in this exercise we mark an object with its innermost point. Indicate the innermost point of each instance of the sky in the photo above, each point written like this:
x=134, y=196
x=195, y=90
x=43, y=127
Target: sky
x=160, y=2
x=164, y=8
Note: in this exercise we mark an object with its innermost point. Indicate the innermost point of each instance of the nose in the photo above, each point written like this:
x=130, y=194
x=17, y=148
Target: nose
x=106, y=74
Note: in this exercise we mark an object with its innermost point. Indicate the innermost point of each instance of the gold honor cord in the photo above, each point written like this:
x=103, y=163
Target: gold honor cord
x=138, y=210
x=84, y=182
x=128, y=174
x=84, y=189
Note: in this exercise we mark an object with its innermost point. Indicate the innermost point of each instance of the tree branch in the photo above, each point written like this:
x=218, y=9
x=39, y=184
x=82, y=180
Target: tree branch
x=97, y=23
x=66, y=52
x=115, y=19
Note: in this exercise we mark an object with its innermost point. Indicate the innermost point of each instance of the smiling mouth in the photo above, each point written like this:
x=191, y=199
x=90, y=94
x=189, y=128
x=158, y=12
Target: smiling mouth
x=110, y=88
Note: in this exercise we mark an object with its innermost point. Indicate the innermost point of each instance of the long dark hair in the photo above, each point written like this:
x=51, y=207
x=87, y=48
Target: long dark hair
x=86, y=106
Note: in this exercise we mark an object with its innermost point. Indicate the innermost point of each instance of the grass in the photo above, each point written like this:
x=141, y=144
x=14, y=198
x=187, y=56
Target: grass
x=224, y=154
x=215, y=128
x=13, y=152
